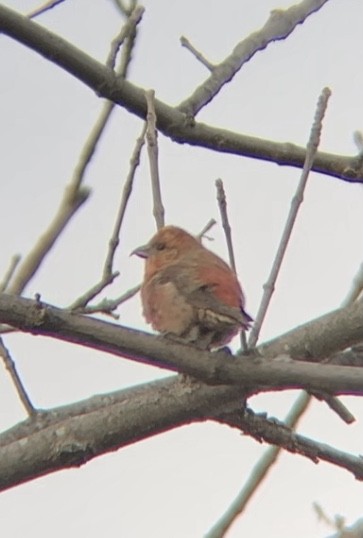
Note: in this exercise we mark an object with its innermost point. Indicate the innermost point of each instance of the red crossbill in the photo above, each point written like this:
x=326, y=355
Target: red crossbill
x=189, y=292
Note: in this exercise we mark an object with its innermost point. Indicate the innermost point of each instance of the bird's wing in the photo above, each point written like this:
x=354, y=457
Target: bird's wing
x=209, y=287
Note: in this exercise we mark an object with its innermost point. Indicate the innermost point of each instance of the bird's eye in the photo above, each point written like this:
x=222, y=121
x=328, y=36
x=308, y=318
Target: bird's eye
x=160, y=246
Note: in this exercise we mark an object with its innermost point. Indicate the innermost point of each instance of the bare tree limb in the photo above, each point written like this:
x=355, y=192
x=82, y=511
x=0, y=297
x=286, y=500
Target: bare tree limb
x=125, y=10
x=206, y=228
x=279, y=26
x=198, y=55
x=126, y=193
x=106, y=306
x=9, y=273
x=170, y=122
x=152, y=148
x=320, y=338
x=80, y=438
x=109, y=275
x=276, y=433
x=46, y=7
x=20, y=389
x=297, y=200
x=356, y=289
x=70, y=436
x=128, y=32
x=127, y=29
x=222, y=204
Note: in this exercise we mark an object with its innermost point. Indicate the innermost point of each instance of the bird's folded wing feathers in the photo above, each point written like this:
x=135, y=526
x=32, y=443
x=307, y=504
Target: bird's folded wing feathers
x=200, y=294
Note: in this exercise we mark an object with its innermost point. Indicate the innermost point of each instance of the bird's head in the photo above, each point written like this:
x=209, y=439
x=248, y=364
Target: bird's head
x=166, y=247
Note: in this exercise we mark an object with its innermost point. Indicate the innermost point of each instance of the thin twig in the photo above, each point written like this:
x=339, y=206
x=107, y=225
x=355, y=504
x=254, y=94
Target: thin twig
x=338, y=524
x=11, y=368
x=126, y=54
x=127, y=29
x=296, y=201
x=46, y=7
x=206, y=228
x=152, y=147
x=9, y=273
x=295, y=205
x=91, y=143
x=106, y=306
x=126, y=192
x=99, y=127
x=258, y=473
x=198, y=55
x=125, y=11
x=356, y=288
x=108, y=274
x=79, y=304
x=222, y=204
x=335, y=405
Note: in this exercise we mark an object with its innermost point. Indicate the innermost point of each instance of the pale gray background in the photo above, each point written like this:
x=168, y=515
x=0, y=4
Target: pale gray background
x=177, y=484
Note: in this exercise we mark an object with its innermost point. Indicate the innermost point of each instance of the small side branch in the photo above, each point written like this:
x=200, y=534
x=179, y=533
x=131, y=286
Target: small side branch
x=127, y=29
x=276, y=433
x=108, y=276
x=152, y=147
x=279, y=26
x=206, y=229
x=198, y=55
x=46, y=7
x=11, y=368
x=222, y=204
x=9, y=273
x=297, y=200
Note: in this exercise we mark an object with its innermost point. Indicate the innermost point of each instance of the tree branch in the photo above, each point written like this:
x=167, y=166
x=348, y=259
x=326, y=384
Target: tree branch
x=276, y=433
x=72, y=435
x=279, y=26
x=320, y=337
x=171, y=122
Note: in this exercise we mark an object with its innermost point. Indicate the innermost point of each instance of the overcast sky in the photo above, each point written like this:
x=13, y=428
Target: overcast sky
x=177, y=484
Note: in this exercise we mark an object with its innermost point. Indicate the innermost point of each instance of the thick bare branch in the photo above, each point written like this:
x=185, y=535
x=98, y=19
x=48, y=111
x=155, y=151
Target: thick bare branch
x=170, y=122
x=319, y=338
x=72, y=435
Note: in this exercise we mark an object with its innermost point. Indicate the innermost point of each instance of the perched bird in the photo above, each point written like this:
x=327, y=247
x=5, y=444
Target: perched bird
x=189, y=292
